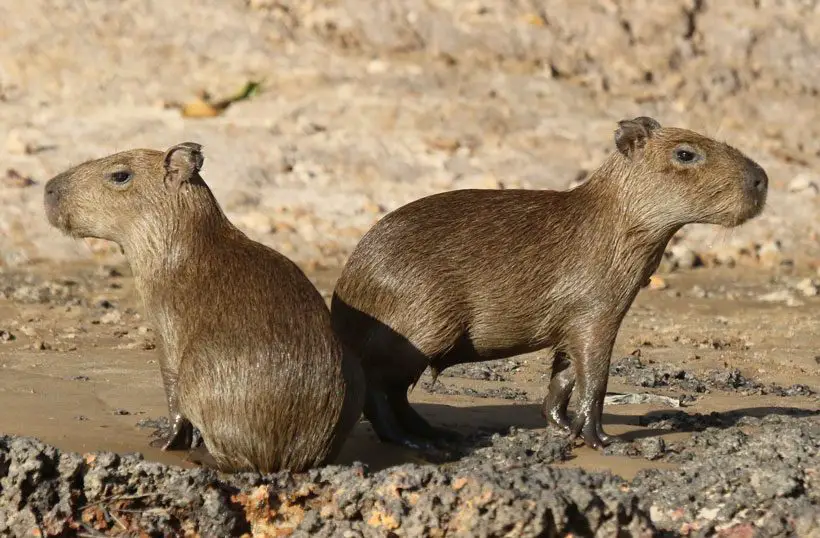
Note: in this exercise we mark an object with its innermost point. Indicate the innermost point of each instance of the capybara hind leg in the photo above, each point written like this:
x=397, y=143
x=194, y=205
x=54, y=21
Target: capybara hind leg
x=411, y=421
x=378, y=411
x=562, y=381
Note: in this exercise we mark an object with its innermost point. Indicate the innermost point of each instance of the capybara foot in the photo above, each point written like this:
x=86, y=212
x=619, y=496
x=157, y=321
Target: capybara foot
x=180, y=435
x=591, y=432
x=383, y=420
x=412, y=442
x=557, y=418
x=410, y=421
x=605, y=437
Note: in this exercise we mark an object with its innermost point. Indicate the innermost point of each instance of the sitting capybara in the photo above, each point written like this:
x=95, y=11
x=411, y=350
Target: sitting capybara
x=249, y=359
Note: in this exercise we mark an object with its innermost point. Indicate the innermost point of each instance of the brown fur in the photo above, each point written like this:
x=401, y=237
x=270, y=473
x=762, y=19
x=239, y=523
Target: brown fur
x=249, y=358
x=473, y=275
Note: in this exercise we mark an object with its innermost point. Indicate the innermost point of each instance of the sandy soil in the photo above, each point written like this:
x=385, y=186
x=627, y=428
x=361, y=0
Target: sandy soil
x=365, y=106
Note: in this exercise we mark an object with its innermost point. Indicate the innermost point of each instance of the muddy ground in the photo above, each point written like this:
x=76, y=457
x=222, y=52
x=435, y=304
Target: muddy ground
x=732, y=445
x=364, y=106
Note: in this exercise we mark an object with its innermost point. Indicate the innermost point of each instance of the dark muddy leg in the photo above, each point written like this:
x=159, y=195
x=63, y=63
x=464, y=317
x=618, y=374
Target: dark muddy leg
x=378, y=410
x=562, y=381
x=592, y=373
x=603, y=436
x=413, y=422
x=180, y=435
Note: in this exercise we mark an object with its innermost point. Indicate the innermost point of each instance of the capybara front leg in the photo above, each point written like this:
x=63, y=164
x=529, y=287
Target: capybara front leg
x=591, y=360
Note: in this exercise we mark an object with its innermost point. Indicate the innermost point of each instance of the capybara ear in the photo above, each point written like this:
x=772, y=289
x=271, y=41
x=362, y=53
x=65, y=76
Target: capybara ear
x=631, y=135
x=182, y=162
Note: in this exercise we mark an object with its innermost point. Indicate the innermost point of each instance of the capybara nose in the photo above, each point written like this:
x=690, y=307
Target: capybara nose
x=53, y=191
x=756, y=179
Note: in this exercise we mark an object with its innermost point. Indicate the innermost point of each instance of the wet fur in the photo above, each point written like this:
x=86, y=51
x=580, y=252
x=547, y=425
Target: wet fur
x=248, y=354
x=474, y=275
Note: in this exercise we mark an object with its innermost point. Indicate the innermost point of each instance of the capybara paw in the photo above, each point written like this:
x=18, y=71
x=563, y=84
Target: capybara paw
x=589, y=432
x=558, y=420
x=196, y=438
x=179, y=435
x=414, y=442
x=605, y=438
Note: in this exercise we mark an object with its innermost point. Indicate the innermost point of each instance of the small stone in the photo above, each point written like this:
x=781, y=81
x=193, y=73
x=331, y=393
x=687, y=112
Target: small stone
x=256, y=221
x=81, y=378
x=377, y=66
x=804, y=184
x=781, y=296
x=40, y=345
x=114, y=316
x=121, y=412
x=726, y=257
x=769, y=253
x=15, y=144
x=657, y=283
x=684, y=257
x=708, y=514
x=699, y=292
x=106, y=271
x=28, y=331
x=6, y=336
x=808, y=287
x=652, y=448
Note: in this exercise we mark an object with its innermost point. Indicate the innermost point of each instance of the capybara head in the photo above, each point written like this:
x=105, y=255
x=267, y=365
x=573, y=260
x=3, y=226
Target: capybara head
x=127, y=194
x=679, y=175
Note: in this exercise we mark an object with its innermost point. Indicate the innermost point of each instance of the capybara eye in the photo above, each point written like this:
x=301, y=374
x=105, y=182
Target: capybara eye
x=686, y=156
x=121, y=177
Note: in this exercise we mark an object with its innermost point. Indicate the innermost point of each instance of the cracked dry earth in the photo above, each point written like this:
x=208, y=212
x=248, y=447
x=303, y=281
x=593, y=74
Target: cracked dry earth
x=365, y=106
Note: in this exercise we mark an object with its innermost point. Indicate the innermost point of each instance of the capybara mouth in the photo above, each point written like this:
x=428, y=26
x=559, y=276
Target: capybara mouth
x=59, y=220
x=751, y=210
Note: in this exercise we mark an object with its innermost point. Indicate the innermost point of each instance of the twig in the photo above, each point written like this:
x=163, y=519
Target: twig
x=117, y=520
x=90, y=533
x=118, y=498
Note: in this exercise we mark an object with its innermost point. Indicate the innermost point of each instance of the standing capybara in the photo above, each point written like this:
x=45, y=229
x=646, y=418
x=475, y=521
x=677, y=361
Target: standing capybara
x=249, y=360
x=475, y=275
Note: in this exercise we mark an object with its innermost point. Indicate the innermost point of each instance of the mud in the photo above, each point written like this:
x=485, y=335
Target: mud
x=738, y=456
x=636, y=372
x=507, y=488
x=494, y=492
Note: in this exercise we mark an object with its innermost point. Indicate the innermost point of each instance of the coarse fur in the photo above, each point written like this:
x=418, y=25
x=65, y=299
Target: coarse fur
x=249, y=359
x=474, y=275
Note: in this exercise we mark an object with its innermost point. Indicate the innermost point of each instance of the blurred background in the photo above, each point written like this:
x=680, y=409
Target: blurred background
x=317, y=117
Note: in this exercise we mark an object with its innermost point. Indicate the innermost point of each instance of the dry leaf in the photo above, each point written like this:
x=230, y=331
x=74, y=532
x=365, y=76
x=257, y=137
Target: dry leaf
x=199, y=109
x=204, y=107
x=535, y=19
